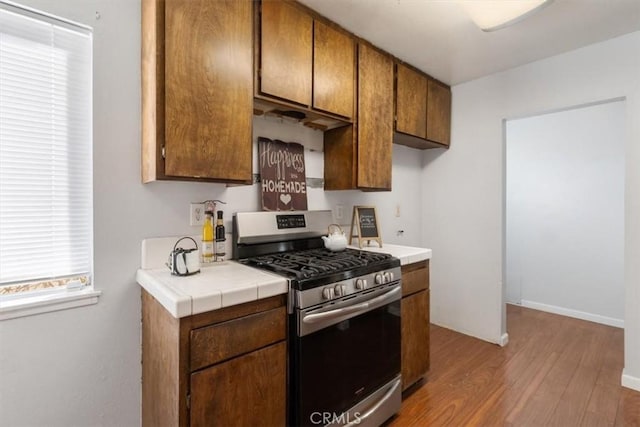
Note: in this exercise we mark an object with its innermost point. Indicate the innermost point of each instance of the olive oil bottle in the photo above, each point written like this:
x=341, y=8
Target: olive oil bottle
x=207, y=238
x=220, y=238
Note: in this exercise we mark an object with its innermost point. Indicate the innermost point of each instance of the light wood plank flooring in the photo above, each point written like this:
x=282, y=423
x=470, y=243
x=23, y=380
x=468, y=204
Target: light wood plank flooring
x=555, y=371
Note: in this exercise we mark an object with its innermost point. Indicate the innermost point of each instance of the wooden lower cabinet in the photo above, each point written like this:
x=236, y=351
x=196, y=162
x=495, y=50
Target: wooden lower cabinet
x=226, y=367
x=415, y=323
x=241, y=392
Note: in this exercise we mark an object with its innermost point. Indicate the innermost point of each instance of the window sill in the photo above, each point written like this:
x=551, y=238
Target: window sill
x=20, y=307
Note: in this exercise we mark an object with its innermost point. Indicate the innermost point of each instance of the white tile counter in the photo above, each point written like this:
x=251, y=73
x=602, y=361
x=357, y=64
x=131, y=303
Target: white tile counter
x=407, y=254
x=219, y=285
x=223, y=285
x=227, y=283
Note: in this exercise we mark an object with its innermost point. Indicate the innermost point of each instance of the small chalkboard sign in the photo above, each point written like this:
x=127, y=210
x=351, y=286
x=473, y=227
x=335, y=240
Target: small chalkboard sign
x=365, y=223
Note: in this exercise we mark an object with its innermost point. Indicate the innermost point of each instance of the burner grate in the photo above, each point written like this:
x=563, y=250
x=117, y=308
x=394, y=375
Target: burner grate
x=315, y=263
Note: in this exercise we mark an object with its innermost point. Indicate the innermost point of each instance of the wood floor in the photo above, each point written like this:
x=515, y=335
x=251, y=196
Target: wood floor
x=555, y=371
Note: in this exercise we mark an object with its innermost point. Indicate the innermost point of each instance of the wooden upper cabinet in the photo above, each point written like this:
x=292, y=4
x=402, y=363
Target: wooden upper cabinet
x=423, y=110
x=333, y=70
x=375, y=118
x=197, y=90
x=305, y=63
x=438, y=113
x=360, y=156
x=286, y=52
x=411, y=102
x=340, y=159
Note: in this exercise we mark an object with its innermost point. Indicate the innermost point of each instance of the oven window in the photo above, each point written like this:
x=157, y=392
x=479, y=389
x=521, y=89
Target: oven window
x=340, y=365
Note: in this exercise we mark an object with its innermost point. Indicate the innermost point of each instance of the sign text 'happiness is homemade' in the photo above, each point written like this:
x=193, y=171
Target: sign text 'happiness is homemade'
x=282, y=172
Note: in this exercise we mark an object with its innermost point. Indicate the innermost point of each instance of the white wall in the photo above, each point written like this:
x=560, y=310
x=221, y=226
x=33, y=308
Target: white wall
x=565, y=212
x=82, y=366
x=406, y=178
x=462, y=199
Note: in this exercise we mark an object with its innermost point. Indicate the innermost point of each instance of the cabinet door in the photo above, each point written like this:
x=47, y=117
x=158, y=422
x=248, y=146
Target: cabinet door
x=246, y=391
x=340, y=159
x=286, y=52
x=411, y=102
x=415, y=337
x=208, y=89
x=375, y=118
x=438, y=113
x=333, y=70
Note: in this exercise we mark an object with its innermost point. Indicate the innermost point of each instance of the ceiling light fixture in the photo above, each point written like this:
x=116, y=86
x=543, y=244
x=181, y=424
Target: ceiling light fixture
x=492, y=15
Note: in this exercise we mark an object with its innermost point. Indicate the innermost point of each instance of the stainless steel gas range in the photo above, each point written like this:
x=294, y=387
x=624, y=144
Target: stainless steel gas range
x=344, y=318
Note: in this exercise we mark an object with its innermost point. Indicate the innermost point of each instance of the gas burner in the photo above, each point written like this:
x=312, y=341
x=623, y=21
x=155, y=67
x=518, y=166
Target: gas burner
x=319, y=264
x=290, y=244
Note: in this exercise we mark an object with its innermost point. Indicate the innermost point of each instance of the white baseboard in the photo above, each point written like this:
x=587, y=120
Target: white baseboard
x=630, y=382
x=469, y=333
x=618, y=323
x=504, y=340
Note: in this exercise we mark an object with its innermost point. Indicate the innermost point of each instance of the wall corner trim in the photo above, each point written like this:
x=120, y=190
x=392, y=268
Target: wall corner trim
x=504, y=340
x=630, y=382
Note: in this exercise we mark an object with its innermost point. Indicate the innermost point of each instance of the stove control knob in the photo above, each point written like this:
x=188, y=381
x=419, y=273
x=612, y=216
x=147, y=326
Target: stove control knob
x=391, y=275
x=328, y=293
x=379, y=278
x=340, y=290
x=361, y=284
x=387, y=277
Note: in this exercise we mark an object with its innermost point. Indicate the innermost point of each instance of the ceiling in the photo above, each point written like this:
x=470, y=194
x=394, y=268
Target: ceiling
x=438, y=37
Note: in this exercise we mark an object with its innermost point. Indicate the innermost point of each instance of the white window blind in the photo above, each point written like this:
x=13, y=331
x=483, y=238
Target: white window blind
x=46, y=225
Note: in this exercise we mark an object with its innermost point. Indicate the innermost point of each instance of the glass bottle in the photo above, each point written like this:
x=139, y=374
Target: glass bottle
x=220, y=238
x=207, y=238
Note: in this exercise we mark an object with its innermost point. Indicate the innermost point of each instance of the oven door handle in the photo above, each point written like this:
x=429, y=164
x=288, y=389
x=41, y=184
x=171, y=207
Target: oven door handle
x=384, y=298
x=363, y=306
x=376, y=406
x=314, y=318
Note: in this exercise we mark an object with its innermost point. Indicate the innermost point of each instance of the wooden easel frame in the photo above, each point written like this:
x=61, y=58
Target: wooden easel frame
x=355, y=222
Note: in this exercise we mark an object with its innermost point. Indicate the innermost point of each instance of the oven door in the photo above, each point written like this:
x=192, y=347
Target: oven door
x=342, y=353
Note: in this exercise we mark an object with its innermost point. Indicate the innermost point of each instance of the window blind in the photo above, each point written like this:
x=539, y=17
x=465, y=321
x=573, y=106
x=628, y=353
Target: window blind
x=46, y=213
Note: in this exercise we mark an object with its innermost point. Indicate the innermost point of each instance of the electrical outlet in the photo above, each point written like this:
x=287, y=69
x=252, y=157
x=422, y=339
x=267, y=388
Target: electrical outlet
x=398, y=210
x=339, y=212
x=196, y=214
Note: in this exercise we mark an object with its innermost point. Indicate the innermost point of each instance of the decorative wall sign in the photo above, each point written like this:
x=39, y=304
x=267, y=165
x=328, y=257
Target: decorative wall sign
x=282, y=172
x=365, y=223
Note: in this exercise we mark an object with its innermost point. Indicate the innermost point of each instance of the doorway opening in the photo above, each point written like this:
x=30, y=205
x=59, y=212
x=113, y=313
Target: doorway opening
x=564, y=212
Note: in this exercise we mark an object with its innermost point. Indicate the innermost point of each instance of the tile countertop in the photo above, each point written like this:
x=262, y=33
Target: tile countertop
x=407, y=254
x=227, y=283
x=222, y=285
x=219, y=285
